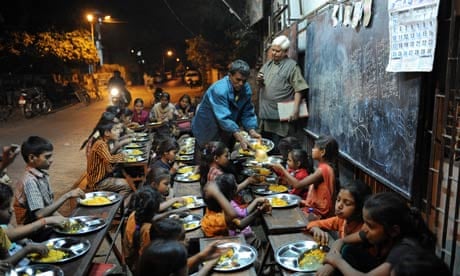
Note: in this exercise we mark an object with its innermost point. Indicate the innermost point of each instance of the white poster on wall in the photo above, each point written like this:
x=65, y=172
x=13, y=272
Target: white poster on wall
x=412, y=27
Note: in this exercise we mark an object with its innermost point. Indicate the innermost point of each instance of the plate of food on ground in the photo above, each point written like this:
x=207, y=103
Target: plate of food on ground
x=189, y=221
x=283, y=200
x=61, y=250
x=101, y=198
x=235, y=257
x=191, y=202
x=269, y=189
x=188, y=177
x=39, y=269
x=80, y=225
x=301, y=256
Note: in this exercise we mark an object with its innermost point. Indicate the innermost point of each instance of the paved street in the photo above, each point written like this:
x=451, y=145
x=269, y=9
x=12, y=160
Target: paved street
x=67, y=129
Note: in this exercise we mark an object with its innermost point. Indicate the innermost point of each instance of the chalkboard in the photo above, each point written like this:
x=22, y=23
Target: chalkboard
x=372, y=113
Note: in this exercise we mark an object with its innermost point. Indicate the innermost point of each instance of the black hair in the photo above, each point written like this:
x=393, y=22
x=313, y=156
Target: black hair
x=420, y=263
x=167, y=229
x=209, y=152
x=116, y=110
x=157, y=94
x=103, y=127
x=287, y=144
x=360, y=192
x=155, y=175
x=300, y=155
x=6, y=195
x=389, y=209
x=240, y=66
x=167, y=145
x=162, y=258
x=165, y=95
x=227, y=186
x=35, y=145
x=138, y=100
x=146, y=203
x=105, y=118
x=331, y=148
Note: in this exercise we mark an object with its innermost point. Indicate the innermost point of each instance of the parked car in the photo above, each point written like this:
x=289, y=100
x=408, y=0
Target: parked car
x=192, y=78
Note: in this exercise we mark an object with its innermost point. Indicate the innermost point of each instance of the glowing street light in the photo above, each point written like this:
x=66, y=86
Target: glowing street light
x=91, y=19
x=169, y=53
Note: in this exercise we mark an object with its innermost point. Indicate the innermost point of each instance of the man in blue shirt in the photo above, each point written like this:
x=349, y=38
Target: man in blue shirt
x=225, y=106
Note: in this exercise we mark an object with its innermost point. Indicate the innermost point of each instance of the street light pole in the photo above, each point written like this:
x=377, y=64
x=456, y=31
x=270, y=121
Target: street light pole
x=169, y=53
x=90, y=20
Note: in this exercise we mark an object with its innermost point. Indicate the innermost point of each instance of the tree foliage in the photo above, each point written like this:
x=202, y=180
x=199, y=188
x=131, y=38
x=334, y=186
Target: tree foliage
x=69, y=47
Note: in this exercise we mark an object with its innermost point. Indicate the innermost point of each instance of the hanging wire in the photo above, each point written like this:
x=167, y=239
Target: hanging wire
x=177, y=18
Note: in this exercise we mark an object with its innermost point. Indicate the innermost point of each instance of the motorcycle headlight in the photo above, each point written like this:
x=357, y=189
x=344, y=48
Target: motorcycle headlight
x=114, y=92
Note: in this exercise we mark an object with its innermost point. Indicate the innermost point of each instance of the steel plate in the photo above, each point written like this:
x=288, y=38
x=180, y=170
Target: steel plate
x=140, y=139
x=184, y=157
x=113, y=197
x=193, y=202
x=80, y=225
x=137, y=145
x=288, y=256
x=187, y=169
x=291, y=200
x=187, y=177
x=190, y=221
x=39, y=269
x=251, y=162
x=243, y=256
x=133, y=152
x=73, y=247
x=265, y=189
x=135, y=159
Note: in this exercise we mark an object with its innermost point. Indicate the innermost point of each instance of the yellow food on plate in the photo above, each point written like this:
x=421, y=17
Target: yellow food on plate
x=131, y=159
x=188, y=200
x=226, y=256
x=277, y=188
x=195, y=177
x=264, y=171
x=132, y=145
x=245, y=152
x=97, y=200
x=312, y=259
x=278, y=202
x=136, y=152
x=190, y=225
x=186, y=169
x=53, y=256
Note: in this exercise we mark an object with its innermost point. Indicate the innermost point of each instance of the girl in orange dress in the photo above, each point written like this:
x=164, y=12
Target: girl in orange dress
x=323, y=182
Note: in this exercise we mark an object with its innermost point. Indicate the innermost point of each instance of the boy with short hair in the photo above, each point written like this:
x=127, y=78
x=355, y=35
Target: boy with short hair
x=33, y=196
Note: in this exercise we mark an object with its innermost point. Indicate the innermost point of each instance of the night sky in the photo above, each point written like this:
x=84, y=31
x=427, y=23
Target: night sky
x=147, y=24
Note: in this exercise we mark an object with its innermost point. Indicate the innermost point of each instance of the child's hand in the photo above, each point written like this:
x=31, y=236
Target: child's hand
x=39, y=248
x=76, y=193
x=212, y=250
x=332, y=258
x=55, y=220
x=211, y=189
x=252, y=179
x=276, y=167
x=319, y=235
x=265, y=207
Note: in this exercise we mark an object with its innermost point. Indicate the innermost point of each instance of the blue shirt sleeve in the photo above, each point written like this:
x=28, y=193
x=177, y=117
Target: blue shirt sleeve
x=220, y=106
x=248, y=117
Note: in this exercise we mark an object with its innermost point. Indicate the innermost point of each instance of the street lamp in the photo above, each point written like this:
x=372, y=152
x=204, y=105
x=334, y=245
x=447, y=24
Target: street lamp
x=169, y=53
x=100, y=20
x=90, y=18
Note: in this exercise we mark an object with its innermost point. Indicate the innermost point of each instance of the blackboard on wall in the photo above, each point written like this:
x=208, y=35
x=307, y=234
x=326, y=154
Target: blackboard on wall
x=372, y=113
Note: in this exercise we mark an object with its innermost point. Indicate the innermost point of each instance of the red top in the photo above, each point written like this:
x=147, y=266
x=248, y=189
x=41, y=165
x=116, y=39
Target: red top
x=320, y=197
x=140, y=118
x=299, y=174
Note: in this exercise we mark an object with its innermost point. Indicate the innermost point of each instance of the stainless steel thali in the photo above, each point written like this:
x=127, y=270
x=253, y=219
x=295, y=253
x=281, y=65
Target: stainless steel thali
x=192, y=202
x=288, y=256
x=133, y=152
x=72, y=247
x=252, y=162
x=288, y=199
x=39, y=269
x=184, y=157
x=242, y=256
x=190, y=221
x=80, y=225
x=187, y=177
x=271, y=189
x=111, y=196
x=136, y=145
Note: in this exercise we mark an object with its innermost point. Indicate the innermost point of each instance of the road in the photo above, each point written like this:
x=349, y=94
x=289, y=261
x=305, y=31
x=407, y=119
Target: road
x=67, y=129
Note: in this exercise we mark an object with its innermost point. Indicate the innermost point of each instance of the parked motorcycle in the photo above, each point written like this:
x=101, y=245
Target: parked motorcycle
x=81, y=93
x=33, y=101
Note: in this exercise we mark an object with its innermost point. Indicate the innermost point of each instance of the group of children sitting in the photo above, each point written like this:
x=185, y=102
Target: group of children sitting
x=377, y=234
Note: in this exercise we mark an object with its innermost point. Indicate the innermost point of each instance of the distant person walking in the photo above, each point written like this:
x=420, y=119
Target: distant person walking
x=280, y=80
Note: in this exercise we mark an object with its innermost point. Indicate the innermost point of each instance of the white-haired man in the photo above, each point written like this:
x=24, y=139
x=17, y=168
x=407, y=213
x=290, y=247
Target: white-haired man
x=281, y=80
